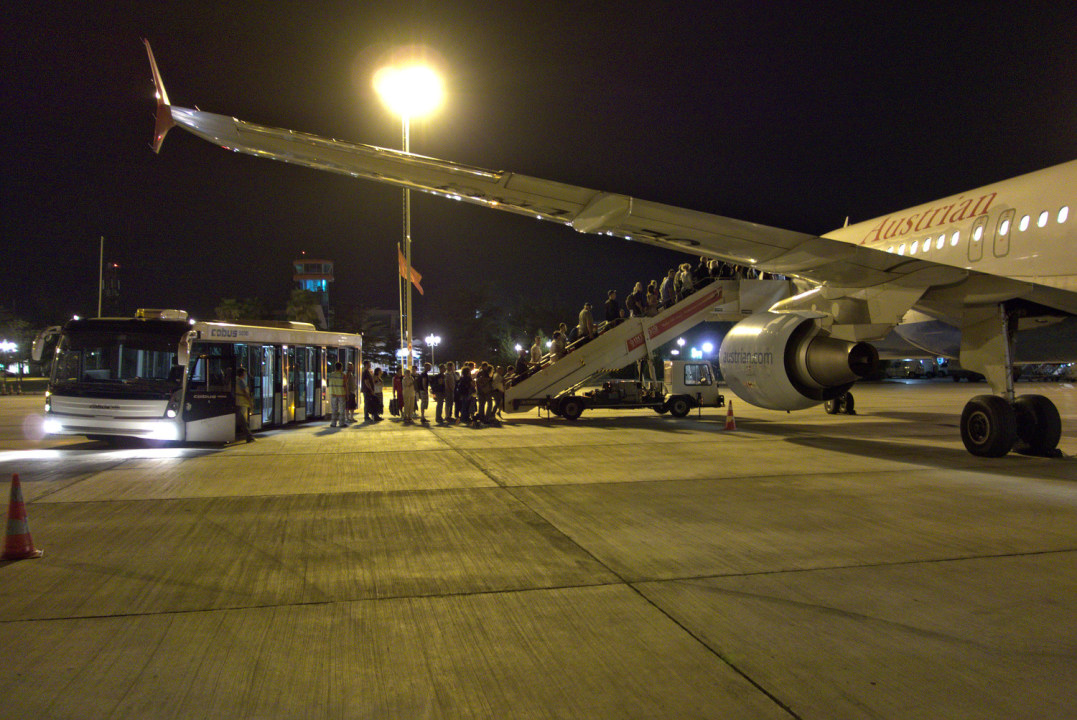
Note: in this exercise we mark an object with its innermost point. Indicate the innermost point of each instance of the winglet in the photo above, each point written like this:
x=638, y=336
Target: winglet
x=164, y=120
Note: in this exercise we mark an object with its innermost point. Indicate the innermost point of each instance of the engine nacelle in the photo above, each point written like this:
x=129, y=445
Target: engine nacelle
x=786, y=361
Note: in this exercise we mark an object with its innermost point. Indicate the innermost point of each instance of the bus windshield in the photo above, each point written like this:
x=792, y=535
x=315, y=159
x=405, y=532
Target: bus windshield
x=119, y=362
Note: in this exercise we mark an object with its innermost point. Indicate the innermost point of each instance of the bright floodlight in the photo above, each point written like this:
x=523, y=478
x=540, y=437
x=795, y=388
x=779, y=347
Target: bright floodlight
x=409, y=90
x=708, y=347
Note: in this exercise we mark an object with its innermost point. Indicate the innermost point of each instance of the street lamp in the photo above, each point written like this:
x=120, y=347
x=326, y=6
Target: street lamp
x=409, y=90
x=433, y=341
x=8, y=348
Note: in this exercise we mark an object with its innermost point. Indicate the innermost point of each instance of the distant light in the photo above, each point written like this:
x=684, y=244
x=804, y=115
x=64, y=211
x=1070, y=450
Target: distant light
x=8, y=346
x=674, y=352
x=708, y=347
x=409, y=90
x=680, y=342
x=695, y=354
x=518, y=347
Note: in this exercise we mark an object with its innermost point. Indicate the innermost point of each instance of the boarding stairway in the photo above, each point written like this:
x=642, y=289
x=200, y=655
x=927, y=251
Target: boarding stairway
x=636, y=338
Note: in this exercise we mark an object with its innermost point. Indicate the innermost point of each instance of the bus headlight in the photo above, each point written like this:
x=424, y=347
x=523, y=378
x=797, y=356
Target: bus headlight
x=173, y=406
x=52, y=427
x=165, y=431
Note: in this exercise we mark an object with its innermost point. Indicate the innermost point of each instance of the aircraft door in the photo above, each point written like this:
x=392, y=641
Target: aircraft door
x=1002, y=233
x=976, y=239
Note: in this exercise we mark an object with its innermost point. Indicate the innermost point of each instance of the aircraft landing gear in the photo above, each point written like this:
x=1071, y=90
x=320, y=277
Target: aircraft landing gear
x=841, y=405
x=1039, y=426
x=991, y=427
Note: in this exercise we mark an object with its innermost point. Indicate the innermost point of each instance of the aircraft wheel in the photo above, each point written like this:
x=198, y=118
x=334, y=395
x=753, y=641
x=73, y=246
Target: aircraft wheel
x=849, y=405
x=988, y=426
x=1039, y=426
x=678, y=406
x=571, y=408
x=831, y=406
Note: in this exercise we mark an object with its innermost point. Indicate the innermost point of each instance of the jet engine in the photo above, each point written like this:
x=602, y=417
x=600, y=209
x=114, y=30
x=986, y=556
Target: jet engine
x=787, y=361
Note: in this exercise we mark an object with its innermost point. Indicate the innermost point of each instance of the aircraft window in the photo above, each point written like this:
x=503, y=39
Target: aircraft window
x=1024, y=223
x=1042, y=222
x=901, y=249
x=1004, y=227
x=915, y=246
x=940, y=242
x=978, y=233
x=890, y=249
x=955, y=238
x=1063, y=214
x=927, y=245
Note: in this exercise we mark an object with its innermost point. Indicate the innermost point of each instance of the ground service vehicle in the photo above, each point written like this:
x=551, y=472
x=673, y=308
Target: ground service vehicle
x=687, y=385
x=163, y=376
x=554, y=384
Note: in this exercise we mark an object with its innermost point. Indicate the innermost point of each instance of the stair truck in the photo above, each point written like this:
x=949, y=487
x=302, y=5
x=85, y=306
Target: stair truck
x=556, y=383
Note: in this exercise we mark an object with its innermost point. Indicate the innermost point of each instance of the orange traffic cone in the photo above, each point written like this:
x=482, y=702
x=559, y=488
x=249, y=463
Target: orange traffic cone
x=730, y=423
x=18, y=545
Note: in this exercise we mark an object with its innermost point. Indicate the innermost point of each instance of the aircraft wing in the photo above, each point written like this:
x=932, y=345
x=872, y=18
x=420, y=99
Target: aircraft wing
x=820, y=260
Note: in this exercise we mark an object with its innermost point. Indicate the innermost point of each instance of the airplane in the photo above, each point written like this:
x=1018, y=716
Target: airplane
x=956, y=276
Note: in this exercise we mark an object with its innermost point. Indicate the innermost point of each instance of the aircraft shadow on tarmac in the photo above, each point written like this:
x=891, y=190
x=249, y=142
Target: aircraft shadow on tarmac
x=620, y=422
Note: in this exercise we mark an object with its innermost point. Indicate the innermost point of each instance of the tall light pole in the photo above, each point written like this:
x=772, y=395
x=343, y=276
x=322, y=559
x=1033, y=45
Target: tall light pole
x=409, y=90
x=433, y=341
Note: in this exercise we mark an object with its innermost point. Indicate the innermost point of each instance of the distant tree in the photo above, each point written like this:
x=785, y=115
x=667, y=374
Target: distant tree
x=303, y=306
x=246, y=309
x=379, y=340
x=15, y=329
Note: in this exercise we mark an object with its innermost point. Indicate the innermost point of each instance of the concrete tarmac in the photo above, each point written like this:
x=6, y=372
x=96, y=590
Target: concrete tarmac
x=626, y=565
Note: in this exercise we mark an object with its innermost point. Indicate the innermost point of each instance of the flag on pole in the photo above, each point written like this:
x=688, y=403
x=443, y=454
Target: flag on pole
x=416, y=278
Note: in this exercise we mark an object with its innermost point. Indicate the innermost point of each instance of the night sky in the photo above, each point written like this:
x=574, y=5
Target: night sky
x=795, y=115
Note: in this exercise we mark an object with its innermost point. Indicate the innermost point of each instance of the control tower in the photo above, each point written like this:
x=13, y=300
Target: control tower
x=315, y=276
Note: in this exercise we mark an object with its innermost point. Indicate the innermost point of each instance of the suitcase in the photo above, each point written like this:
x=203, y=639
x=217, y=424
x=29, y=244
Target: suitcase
x=393, y=409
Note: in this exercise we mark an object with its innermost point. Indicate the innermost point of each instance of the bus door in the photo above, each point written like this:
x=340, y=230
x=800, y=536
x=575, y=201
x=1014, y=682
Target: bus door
x=209, y=403
x=289, y=386
x=271, y=386
x=299, y=396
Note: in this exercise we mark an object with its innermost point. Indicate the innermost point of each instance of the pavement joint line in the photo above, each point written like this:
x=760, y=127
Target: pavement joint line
x=717, y=653
x=315, y=603
x=511, y=490
x=864, y=566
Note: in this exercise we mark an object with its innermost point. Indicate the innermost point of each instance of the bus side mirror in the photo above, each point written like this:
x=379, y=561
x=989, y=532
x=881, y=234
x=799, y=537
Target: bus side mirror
x=183, y=352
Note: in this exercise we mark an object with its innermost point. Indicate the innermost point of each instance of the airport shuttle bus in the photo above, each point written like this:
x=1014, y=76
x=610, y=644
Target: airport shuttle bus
x=161, y=376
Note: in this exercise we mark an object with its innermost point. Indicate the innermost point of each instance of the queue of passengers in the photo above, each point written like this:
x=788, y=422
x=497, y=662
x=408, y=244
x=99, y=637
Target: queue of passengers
x=471, y=394
x=678, y=283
